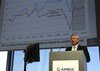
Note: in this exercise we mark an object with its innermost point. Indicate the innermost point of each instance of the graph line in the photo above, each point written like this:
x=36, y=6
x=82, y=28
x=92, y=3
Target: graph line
x=37, y=10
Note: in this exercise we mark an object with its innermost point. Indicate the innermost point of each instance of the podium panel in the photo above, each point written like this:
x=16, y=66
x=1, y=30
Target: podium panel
x=67, y=61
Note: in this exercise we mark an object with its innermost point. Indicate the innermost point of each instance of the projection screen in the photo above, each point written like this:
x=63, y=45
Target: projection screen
x=48, y=22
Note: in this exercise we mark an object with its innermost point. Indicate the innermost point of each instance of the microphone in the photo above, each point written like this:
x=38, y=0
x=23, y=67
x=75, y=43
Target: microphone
x=60, y=49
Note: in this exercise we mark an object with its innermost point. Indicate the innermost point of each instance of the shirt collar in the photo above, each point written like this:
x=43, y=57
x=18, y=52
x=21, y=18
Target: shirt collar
x=75, y=45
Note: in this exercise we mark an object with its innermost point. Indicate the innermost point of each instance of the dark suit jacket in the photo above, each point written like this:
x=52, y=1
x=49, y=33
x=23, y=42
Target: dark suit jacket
x=85, y=50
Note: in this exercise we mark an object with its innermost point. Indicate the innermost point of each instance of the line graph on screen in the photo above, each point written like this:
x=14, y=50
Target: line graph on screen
x=39, y=20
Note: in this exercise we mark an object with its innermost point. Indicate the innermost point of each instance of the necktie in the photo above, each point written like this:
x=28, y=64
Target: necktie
x=74, y=48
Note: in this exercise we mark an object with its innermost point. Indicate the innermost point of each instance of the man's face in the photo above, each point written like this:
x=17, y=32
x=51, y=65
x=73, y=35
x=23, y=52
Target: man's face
x=74, y=40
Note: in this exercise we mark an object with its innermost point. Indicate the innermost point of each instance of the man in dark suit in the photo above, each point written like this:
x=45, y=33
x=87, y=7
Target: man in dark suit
x=75, y=46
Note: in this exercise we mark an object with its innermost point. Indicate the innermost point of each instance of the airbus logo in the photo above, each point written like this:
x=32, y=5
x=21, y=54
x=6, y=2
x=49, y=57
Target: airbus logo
x=65, y=69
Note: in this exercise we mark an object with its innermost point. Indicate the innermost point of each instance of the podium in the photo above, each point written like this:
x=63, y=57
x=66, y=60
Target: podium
x=67, y=61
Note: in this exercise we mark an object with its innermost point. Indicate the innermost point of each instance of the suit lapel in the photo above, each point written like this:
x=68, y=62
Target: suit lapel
x=79, y=47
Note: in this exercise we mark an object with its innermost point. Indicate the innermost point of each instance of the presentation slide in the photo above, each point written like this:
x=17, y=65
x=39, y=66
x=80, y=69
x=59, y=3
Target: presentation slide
x=48, y=22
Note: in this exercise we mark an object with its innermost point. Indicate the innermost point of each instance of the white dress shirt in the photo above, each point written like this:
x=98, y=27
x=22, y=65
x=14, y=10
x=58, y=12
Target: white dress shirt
x=74, y=48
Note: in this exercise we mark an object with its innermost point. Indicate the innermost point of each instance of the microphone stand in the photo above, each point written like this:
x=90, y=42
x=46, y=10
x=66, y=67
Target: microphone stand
x=25, y=64
x=25, y=59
